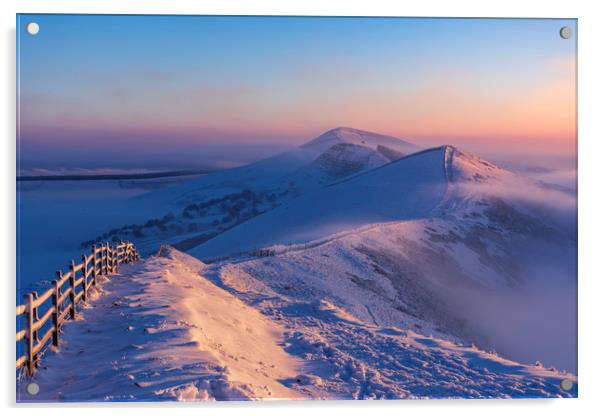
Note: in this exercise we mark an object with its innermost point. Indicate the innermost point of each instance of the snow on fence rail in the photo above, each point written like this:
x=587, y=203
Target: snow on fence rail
x=102, y=261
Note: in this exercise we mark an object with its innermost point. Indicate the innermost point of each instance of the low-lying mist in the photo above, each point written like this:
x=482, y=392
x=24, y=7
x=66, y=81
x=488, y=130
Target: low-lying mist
x=537, y=320
x=534, y=322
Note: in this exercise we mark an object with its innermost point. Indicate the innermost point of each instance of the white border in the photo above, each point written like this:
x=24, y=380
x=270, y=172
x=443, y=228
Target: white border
x=590, y=211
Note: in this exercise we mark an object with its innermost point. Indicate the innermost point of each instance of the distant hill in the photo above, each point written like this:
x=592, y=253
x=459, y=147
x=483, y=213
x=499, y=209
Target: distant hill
x=116, y=176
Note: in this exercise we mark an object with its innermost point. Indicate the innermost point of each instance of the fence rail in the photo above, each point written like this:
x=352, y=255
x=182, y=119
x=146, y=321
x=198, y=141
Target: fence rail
x=102, y=261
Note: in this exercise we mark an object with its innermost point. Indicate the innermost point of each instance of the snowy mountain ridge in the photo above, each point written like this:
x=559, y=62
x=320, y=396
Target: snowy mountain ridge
x=430, y=240
x=416, y=238
x=411, y=187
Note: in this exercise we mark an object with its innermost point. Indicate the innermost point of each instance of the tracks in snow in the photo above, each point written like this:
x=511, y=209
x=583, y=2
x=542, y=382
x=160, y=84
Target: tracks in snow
x=156, y=334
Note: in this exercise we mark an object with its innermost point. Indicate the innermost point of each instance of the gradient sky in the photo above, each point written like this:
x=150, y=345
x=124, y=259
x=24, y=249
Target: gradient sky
x=174, y=91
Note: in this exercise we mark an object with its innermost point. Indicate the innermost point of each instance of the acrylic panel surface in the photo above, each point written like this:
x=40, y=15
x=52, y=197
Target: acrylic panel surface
x=295, y=208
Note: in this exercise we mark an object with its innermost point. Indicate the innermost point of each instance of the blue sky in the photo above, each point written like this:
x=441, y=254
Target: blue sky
x=174, y=85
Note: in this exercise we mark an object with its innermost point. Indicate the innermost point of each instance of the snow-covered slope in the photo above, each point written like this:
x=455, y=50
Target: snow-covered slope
x=164, y=330
x=340, y=161
x=338, y=306
x=188, y=214
x=408, y=188
x=441, y=235
x=427, y=184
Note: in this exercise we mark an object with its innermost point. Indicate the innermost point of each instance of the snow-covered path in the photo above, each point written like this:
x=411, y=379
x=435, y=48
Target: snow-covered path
x=173, y=328
x=159, y=332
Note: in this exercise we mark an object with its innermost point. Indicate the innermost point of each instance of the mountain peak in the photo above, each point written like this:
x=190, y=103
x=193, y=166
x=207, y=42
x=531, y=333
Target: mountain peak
x=360, y=138
x=344, y=131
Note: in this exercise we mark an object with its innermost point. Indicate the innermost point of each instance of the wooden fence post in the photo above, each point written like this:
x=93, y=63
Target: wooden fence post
x=108, y=251
x=36, y=316
x=102, y=256
x=85, y=276
x=113, y=259
x=30, y=335
x=123, y=251
x=109, y=260
x=94, y=272
x=113, y=265
x=100, y=246
x=72, y=294
x=57, y=311
x=106, y=258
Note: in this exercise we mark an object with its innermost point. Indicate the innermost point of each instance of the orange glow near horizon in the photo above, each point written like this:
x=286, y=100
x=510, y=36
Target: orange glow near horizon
x=500, y=85
x=543, y=116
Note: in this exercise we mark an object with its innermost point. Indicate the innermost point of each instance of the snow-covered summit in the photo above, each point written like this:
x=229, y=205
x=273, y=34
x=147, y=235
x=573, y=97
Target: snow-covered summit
x=359, y=138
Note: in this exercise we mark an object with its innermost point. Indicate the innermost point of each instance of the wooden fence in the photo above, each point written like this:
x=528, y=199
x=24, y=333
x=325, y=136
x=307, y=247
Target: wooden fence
x=32, y=318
